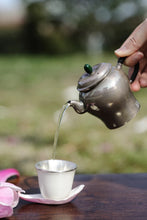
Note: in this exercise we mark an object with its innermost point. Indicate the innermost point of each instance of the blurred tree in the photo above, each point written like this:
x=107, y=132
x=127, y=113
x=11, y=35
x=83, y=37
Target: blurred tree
x=63, y=26
x=11, y=41
x=34, y=18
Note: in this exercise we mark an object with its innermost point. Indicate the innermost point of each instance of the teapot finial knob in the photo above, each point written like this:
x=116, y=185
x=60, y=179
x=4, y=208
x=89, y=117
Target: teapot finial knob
x=88, y=68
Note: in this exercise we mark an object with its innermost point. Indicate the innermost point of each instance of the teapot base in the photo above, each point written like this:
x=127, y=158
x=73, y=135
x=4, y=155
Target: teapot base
x=118, y=117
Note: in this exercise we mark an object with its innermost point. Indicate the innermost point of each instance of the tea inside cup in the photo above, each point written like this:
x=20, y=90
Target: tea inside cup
x=55, y=178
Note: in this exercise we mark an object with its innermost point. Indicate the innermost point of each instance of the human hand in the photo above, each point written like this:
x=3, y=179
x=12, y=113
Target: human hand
x=135, y=49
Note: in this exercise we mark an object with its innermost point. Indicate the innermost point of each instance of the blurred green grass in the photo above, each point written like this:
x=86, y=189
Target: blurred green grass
x=33, y=89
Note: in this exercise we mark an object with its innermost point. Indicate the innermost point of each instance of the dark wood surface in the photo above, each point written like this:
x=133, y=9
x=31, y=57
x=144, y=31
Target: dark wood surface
x=111, y=196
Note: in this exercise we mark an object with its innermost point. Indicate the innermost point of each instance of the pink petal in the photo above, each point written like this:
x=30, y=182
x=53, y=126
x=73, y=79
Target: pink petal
x=6, y=196
x=9, y=193
x=9, y=198
x=5, y=211
x=15, y=199
x=12, y=186
x=5, y=174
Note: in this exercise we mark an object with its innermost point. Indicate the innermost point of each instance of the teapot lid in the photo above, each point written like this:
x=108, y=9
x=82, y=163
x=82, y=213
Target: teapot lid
x=93, y=76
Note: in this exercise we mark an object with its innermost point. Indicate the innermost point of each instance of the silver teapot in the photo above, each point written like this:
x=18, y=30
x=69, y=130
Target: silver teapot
x=104, y=92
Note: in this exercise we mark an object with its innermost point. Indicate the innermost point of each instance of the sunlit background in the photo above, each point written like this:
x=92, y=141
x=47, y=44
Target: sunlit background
x=43, y=47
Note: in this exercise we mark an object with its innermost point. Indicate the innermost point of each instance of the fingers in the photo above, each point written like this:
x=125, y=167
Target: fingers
x=135, y=86
x=134, y=58
x=134, y=42
x=143, y=80
x=134, y=48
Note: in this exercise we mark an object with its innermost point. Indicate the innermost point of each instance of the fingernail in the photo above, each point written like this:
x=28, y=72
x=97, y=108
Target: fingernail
x=122, y=51
x=117, y=50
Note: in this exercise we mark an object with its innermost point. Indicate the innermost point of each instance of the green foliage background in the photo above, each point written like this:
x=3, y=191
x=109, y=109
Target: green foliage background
x=33, y=91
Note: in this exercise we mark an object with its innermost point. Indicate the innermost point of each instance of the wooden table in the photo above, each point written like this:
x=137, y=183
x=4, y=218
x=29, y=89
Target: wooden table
x=110, y=197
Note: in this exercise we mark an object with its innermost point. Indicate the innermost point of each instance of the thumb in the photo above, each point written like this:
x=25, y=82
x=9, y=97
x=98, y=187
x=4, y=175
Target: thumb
x=134, y=42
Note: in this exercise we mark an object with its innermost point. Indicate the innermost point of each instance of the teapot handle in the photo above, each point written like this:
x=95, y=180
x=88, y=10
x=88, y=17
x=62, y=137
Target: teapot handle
x=136, y=68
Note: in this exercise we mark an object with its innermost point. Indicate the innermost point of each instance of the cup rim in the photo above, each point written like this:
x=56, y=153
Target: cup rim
x=48, y=171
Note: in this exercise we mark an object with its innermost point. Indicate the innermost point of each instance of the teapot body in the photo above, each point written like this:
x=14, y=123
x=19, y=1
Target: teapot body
x=111, y=99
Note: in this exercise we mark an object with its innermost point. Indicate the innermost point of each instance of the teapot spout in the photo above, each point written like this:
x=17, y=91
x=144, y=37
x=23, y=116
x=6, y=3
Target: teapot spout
x=78, y=106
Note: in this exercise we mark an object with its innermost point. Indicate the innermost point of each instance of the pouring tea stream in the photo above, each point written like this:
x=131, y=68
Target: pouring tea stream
x=64, y=108
x=104, y=92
